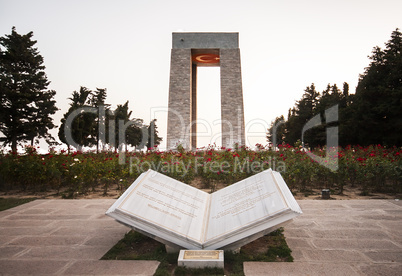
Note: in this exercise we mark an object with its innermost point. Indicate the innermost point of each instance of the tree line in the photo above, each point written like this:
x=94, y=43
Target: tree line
x=26, y=106
x=103, y=127
x=372, y=115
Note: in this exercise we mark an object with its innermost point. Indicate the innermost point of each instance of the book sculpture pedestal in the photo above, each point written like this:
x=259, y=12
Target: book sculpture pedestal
x=182, y=216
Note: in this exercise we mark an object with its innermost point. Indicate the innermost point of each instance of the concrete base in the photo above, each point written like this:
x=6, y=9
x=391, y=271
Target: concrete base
x=171, y=249
x=201, y=258
x=236, y=250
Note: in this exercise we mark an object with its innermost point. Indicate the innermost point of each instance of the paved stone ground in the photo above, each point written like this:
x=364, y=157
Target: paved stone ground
x=334, y=237
x=63, y=237
x=341, y=237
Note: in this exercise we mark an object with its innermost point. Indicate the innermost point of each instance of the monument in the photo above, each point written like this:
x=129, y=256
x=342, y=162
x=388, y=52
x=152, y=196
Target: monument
x=190, y=50
x=184, y=217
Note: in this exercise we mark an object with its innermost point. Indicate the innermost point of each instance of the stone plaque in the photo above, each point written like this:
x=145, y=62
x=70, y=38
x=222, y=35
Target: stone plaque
x=201, y=258
x=201, y=254
x=179, y=215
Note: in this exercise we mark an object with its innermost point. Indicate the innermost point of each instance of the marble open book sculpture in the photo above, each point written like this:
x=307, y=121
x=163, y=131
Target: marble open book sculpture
x=180, y=215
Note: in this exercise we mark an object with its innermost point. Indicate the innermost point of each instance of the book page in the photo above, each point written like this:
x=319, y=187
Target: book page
x=243, y=204
x=169, y=204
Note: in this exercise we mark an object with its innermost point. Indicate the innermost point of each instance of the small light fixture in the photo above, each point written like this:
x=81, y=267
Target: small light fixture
x=325, y=194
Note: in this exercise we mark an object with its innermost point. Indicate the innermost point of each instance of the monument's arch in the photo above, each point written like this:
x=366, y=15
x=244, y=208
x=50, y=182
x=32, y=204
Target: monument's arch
x=190, y=50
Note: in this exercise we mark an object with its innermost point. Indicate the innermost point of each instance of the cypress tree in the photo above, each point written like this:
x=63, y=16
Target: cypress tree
x=25, y=102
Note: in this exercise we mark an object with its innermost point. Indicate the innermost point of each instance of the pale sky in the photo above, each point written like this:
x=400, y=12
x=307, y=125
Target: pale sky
x=124, y=46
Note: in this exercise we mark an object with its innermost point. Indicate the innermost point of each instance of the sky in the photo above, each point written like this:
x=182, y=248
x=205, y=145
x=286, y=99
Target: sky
x=125, y=46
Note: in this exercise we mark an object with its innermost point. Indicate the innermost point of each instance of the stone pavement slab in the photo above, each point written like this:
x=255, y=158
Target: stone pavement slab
x=114, y=267
x=343, y=237
x=68, y=237
x=63, y=237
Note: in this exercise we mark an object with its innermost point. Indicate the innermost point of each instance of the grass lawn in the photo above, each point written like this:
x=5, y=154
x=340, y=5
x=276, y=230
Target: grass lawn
x=7, y=203
x=135, y=246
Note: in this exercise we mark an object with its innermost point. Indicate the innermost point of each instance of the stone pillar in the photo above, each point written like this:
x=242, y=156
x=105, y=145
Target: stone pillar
x=180, y=99
x=231, y=98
